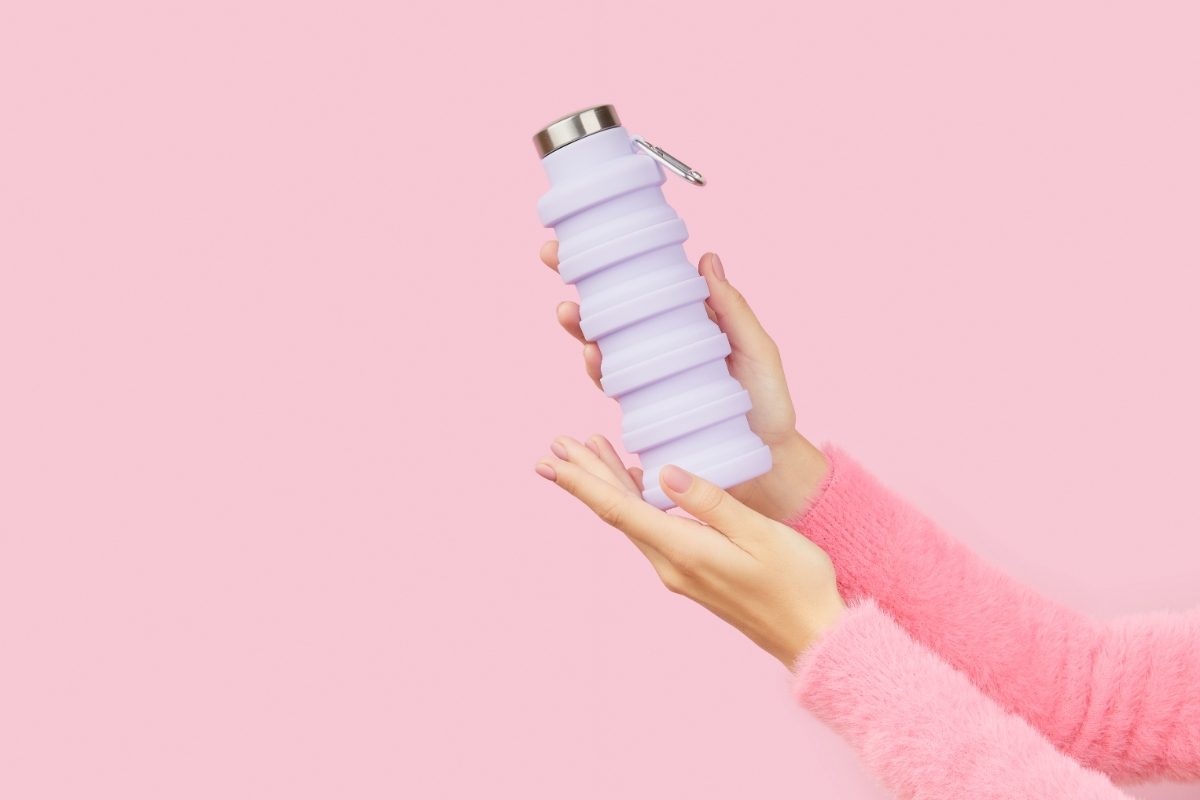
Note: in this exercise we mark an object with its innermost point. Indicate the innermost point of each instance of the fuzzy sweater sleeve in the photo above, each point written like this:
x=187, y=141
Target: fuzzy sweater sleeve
x=1122, y=697
x=921, y=726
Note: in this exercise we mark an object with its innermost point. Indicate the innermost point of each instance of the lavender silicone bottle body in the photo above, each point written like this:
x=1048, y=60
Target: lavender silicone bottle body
x=642, y=302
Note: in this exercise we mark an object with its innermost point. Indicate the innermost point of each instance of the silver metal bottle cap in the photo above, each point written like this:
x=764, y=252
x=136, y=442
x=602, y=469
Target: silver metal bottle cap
x=573, y=127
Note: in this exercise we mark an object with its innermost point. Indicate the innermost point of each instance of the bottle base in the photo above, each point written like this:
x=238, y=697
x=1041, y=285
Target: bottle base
x=726, y=474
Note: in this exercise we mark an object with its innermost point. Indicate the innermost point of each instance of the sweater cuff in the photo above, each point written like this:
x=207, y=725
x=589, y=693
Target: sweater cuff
x=832, y=456
x=834, y=652
x=852, y=519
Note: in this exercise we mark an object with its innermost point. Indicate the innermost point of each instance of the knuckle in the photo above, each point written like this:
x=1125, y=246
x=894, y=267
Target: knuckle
x=686, y=564
x=612, y=511
x=737, y=298
x=709, y=499
x=673, y=581
x=565, y=479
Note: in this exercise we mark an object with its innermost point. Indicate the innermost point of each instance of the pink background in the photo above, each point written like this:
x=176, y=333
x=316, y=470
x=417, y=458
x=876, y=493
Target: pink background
x=276, y=359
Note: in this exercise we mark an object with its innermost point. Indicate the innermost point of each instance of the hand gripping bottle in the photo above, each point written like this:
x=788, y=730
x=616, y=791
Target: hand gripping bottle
x=642, y=302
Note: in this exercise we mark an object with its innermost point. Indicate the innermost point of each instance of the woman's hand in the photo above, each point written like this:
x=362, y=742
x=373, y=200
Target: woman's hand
x=797, y=466
x=758, y=575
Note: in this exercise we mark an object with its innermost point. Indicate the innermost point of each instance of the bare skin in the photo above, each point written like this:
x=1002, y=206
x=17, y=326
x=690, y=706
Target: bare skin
x=735, y=558
x=775, y=586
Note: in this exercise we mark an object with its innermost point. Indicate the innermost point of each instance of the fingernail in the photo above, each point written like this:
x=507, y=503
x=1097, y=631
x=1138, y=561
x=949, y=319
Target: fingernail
x=591, y=445
x=718, y=267
x=546, y=471
x=676, y=479
x=558, y=450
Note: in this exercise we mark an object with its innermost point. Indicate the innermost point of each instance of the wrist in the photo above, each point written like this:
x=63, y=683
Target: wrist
x=798, y=470
x=816, y=623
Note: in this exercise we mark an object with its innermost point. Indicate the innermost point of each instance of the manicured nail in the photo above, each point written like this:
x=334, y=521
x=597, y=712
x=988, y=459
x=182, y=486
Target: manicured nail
x=546, y=471
x=591, y=445
x=676, y=479
x=558, y=450
x=718, y=267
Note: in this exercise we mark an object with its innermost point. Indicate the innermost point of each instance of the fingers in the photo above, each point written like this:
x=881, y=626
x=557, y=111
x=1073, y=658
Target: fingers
x=639, y=520
x=568, y=316
x=725, y=306
x=568, y=449
x=549, y=254
x=685, y=553
x=591, y=362
x=603, y=448
x=746, y=334
x=680, y=544
x=606, y=505
x=712, y=505
x=637, y=474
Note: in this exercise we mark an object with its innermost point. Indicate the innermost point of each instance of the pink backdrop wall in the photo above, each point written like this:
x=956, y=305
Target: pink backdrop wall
x=276, y=358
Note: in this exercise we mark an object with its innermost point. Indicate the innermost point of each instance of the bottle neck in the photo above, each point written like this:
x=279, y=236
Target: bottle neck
x=581, y=155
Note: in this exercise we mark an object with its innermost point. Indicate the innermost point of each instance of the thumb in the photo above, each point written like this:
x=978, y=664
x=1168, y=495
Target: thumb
x=709, y=503
x=734, y=314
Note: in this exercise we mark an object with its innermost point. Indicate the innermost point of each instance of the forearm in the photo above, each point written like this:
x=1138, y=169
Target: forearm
x=1080, y=683
x=922, y=726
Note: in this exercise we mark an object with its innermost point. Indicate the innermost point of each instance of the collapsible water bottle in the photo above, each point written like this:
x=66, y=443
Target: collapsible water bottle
x=642, y=302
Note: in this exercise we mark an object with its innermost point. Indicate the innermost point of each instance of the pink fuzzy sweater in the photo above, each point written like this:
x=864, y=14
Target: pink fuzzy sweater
x=953, y=680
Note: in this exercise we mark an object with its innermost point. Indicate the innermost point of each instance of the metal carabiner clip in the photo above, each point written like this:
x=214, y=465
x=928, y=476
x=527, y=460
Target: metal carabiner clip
x=670, y=162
